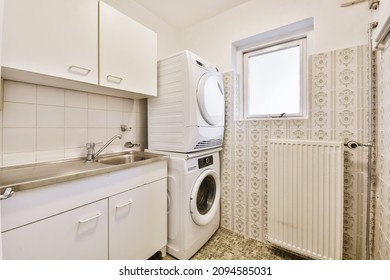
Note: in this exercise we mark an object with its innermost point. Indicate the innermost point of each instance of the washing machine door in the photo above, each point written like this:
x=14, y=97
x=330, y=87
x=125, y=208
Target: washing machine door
x=205, y=195
x=211, y=101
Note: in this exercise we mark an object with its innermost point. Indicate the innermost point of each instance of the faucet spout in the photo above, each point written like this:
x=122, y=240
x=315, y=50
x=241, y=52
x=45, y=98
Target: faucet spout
x=96, y=155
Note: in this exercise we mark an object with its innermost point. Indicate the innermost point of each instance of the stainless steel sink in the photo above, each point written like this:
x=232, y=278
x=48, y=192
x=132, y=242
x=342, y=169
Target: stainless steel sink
x=123, y=158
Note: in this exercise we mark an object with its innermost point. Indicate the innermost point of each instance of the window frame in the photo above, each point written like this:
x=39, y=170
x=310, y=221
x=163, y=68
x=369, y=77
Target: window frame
x=269, y=48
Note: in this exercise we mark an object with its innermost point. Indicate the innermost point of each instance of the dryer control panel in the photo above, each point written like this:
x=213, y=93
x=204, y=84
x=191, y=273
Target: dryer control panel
x=206, y=161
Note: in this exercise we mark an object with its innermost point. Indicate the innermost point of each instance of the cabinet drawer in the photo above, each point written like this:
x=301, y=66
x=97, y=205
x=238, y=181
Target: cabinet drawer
x=81, y=233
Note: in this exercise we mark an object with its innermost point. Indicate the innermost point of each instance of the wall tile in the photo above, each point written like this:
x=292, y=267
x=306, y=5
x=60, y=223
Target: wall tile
x=381, y=245
x=114, y=104
x=142, y=120
x=97, y=135
x=19, y=115
x=20, y=92
x=75, y=153
x=141, y=105
x=50, y=139
x=142, y=138
x=19, y=140
x=97, y=118
x=12, y=159
x=114, y=118
x=50, y=116
x=76, y=117
x=335, y=113
x=76, y=137
x=50, y=96
x=40, y=123
x=128, y=105
x=52, y=155
x=129, y=119
x=96, y=101
x=76, y=99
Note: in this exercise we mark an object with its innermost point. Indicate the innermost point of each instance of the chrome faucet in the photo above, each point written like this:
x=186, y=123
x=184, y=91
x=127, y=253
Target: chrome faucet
x=91, y=155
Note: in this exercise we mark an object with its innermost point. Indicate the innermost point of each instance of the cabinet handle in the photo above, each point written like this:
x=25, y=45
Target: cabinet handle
x=79, y=70
x=114, y=79
x=91, y=218
x=124, y=204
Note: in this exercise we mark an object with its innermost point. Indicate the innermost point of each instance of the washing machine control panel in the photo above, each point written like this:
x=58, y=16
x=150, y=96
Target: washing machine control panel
x=206, y=161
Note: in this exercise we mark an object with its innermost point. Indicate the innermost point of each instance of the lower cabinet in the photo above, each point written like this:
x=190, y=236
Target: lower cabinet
x=129, y=223
x=77, y=234
x=137, y=222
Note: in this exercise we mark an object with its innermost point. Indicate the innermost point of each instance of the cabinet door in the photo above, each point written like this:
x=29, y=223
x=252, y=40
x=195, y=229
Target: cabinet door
x=128, y=53
x=77, y=234
x=138, y=222
x=56, y=38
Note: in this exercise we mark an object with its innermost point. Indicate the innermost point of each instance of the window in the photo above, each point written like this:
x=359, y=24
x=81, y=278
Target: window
x=274, y=80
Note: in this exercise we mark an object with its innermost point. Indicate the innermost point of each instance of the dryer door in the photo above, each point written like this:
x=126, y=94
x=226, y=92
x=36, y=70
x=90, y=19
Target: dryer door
x=211, y=101
x=204, y=202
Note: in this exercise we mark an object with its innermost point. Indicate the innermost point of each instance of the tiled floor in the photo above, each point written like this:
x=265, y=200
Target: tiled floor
x=227, y=245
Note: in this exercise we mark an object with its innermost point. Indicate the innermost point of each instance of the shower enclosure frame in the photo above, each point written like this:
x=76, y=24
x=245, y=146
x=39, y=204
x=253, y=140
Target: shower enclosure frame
x=370, y=92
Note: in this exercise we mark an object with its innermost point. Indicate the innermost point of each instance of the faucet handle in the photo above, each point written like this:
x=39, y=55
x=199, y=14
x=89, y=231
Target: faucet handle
x=131, y=145
x=90, y=150
x=90, y=145
x=93, y=144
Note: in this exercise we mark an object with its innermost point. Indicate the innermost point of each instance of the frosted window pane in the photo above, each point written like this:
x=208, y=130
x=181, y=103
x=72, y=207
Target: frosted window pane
x=274, y=82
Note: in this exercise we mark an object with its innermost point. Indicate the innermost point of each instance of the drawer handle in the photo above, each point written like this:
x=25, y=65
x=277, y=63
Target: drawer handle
x=79, y=70
x=124, y=204
x=91, y=218
x=114, y=79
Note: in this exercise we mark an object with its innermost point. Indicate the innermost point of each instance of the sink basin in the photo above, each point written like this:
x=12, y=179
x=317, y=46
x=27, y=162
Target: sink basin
x=123, y=158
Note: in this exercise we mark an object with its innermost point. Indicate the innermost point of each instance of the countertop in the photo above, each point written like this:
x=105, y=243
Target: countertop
x=24, y=177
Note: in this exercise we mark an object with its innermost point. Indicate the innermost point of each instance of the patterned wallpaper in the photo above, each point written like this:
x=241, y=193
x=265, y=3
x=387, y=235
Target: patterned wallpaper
x=382, y=205
x=337, y=111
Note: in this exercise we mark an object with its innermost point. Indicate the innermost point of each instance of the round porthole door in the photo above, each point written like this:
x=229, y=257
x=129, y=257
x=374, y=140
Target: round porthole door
x=211, y=100
x=204, y=202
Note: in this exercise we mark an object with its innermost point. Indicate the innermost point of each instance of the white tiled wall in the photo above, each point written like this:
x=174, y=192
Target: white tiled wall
x=382, y=137
x=40, y=123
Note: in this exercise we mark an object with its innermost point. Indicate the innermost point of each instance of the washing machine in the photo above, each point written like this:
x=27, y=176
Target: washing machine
x=194, y=192
x=188, y=113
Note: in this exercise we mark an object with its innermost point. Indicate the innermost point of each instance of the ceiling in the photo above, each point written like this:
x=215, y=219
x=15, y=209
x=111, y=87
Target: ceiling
x=181, y=14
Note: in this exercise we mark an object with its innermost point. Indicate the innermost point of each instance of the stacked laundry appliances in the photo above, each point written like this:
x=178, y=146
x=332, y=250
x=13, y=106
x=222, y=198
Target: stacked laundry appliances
x=186, y=122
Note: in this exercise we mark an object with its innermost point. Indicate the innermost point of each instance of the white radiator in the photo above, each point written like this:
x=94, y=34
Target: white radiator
x=305, y=197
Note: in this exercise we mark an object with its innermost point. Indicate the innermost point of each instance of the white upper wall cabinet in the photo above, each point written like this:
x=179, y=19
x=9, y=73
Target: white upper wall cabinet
x=78, y=44
x=128, y=53
x=55, y=38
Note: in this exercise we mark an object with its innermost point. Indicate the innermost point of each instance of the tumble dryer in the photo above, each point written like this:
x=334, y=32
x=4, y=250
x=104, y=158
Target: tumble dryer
x=188, y=113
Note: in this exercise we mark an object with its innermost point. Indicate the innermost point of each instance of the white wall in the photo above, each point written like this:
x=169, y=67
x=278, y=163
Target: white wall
x=334, y=27
x=167, y=37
